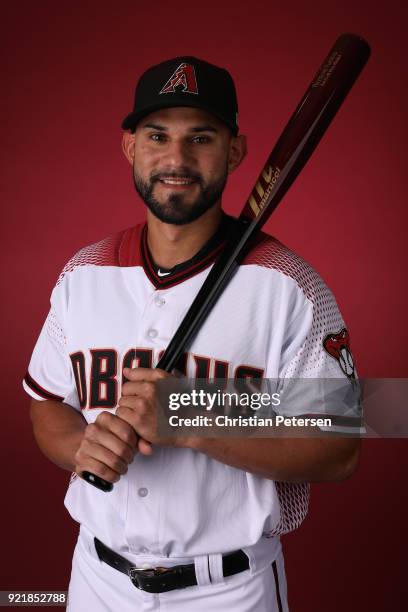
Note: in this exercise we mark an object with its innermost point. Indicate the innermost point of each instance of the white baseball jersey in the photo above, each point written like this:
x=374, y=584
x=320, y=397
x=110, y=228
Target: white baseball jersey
x=112, y=308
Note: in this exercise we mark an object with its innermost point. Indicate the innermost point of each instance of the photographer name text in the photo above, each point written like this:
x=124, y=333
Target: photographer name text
x=251, y=421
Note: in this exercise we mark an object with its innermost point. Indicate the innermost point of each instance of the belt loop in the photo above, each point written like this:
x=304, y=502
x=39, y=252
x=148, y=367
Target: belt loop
x=201, y=570
x=215, y=566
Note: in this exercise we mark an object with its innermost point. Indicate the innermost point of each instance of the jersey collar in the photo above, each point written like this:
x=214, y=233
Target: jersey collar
x=134, y=251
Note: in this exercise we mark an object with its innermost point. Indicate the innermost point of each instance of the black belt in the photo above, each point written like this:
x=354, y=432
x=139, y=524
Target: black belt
x=161, y=579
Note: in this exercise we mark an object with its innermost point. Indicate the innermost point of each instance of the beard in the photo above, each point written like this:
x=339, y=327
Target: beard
x=175, y=210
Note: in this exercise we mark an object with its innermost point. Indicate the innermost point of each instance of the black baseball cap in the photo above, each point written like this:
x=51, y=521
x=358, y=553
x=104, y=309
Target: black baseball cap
x=185, y=81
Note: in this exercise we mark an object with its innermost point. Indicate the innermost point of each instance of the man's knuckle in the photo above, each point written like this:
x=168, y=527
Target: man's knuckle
x=91, y=431
x=106, y=471
x=160, y=374
x=148, y=389
x=118, y=465
x=129, y=436
x=127, y=454
x=140, y=405
x=128, y=415
x=126, y=388
x=103, y=418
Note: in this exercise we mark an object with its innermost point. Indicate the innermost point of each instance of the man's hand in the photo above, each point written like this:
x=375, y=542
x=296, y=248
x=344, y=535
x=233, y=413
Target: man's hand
x=109, y=444
x=138, y=406
x=107, y=448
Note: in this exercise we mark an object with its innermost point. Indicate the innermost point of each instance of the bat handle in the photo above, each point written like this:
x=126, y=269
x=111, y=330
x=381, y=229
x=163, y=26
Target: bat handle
x=98, y=482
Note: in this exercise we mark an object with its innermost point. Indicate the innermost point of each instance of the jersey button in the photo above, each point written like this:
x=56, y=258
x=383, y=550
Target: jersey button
x=159, y=301
x=142, y=491
x=152, y=333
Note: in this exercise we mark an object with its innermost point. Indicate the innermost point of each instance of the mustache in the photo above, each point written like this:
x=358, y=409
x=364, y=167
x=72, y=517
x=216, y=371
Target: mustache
x=180, y=174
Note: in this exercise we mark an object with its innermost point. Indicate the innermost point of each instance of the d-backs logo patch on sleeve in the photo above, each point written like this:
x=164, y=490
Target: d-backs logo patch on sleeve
x=338, y=346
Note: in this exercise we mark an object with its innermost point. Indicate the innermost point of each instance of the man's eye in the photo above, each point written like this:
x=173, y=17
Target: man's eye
x=158, y=137
x=201, y=139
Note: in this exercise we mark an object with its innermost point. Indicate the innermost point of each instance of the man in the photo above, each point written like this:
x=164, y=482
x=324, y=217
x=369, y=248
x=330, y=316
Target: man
x=205, y=512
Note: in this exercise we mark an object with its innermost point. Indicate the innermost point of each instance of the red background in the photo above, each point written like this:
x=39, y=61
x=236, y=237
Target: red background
x=70, y=71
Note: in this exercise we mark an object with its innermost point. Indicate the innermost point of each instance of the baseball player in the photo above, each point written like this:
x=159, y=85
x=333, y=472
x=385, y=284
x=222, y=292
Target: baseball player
x=192, y=523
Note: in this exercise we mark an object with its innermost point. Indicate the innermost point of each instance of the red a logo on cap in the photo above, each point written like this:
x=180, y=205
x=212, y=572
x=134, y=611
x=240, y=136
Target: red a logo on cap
x=184, y=76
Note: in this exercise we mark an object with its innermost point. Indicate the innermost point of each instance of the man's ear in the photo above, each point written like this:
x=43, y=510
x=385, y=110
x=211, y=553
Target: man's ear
x=237, y=152
x=128, y=146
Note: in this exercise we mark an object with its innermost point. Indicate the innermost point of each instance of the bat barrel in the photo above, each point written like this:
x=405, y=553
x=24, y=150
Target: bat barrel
x=324, y=96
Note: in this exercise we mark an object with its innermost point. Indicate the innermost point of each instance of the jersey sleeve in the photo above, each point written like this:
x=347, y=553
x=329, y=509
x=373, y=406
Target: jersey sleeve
x=318, y=376
x=49, y=375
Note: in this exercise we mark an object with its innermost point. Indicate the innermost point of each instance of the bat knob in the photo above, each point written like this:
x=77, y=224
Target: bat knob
x=96, y=481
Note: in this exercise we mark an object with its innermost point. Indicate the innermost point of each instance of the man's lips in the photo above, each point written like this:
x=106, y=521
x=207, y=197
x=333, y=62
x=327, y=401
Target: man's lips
x=176, y=182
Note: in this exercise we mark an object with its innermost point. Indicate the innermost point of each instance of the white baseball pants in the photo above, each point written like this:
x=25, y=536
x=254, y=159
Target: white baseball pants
x=98, y=587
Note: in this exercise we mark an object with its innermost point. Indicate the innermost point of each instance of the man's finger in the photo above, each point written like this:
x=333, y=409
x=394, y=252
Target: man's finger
x=142, y=388
x=90, y=452
x=107, y=439
x=113, y=423
x=145, y=447
x=132, y=410
x=144, y=374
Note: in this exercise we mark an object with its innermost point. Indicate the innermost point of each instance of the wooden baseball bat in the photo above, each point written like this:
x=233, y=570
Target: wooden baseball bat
x=305, y=128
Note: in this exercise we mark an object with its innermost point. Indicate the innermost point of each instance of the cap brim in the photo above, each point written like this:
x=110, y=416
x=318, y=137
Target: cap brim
x=131, y=120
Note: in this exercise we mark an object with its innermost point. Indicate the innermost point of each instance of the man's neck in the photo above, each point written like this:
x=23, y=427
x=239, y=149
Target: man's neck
x=170, y=245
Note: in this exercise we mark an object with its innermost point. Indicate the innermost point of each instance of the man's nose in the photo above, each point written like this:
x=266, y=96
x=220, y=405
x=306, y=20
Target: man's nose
x=178, y=154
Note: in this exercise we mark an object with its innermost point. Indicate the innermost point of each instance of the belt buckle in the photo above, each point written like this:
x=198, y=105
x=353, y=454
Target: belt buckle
x=150, y=572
